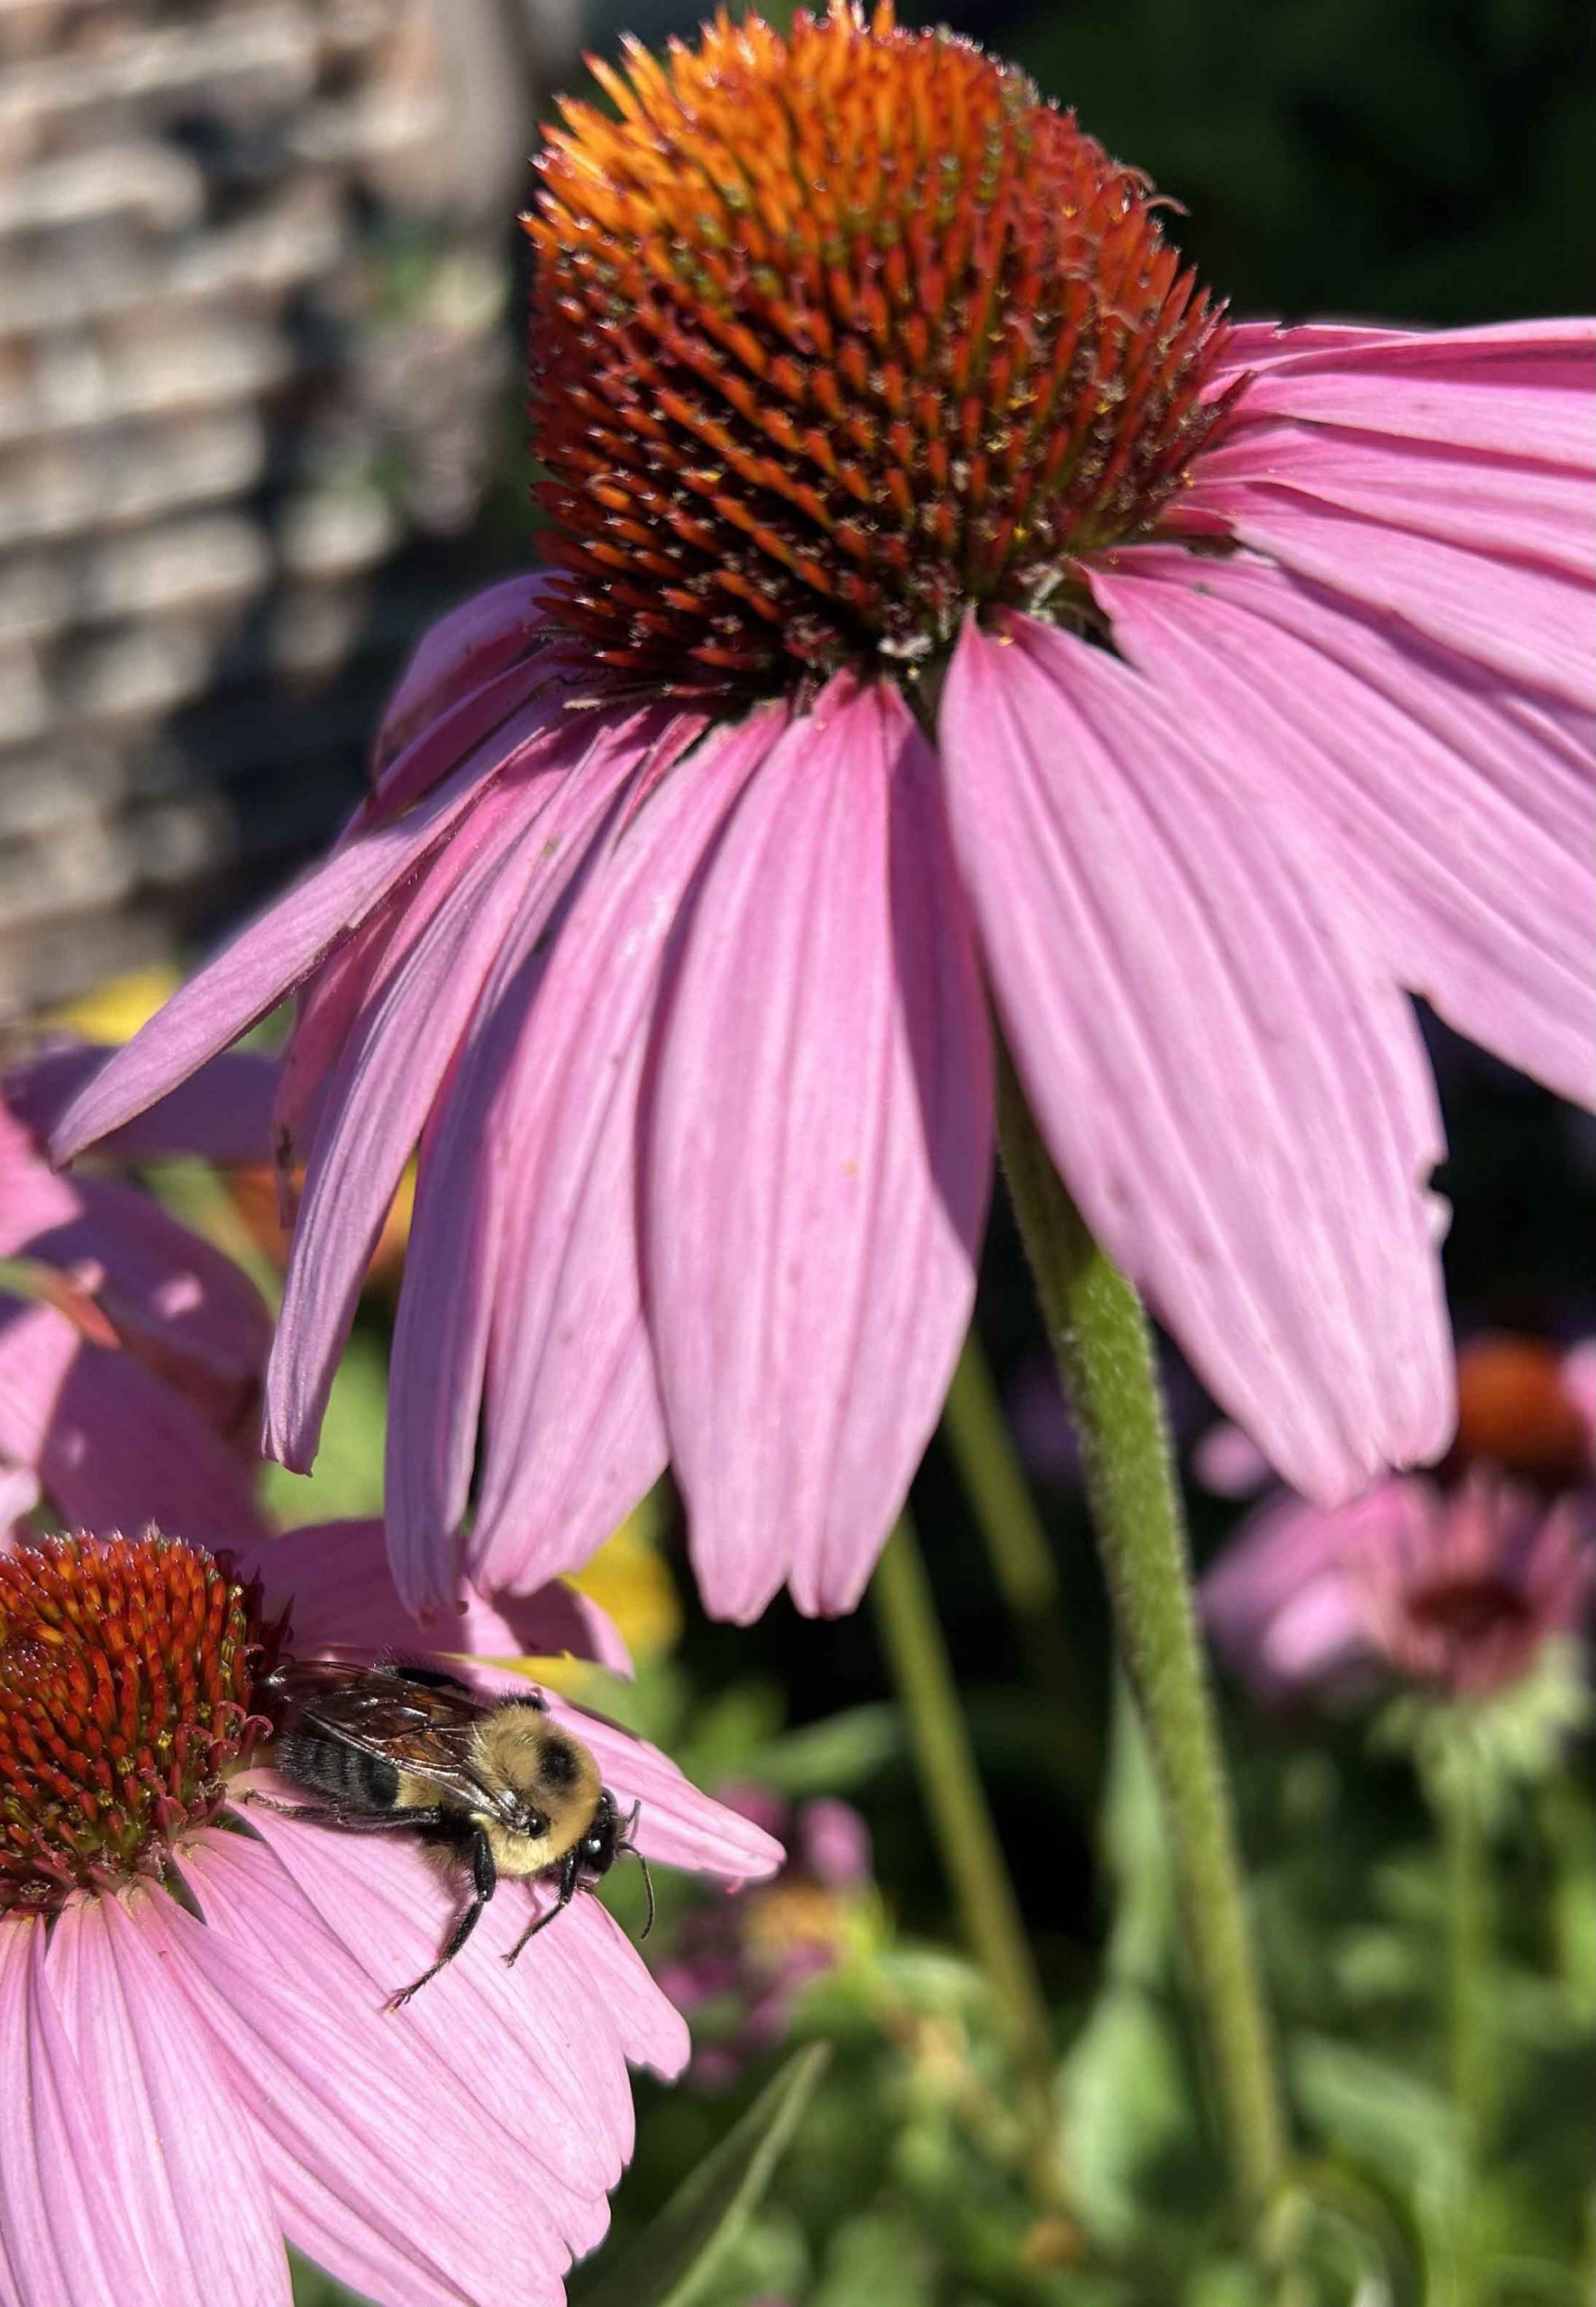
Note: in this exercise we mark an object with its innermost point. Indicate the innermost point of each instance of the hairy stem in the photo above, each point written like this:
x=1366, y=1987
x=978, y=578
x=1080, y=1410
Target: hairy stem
x=1099, y=1335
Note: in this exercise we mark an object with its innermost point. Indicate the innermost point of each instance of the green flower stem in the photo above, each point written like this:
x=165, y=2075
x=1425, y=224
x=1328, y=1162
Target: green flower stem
x=1456, y=1798
x=972, y=1855
x=1099, y=1335
x=1022, y=1560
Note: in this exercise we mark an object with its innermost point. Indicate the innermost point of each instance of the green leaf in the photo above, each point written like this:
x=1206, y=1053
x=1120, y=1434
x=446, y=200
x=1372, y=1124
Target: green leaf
x=671, y=2263
x=347, y=1483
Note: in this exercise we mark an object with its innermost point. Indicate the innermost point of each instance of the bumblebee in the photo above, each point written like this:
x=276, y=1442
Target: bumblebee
x=498, y=1784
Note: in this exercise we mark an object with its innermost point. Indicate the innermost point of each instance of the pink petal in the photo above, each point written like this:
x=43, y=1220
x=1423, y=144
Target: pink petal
x=466, y=1182
x=1530, y=626
x=19, y=1494
x=64, y=2241
x=178, y=1298
x=328, y=1003
x=1523, y=389
x=32, y=1199
x=1240, y=1108
x=468, y=648
x=1279, y=1556
x=113, y=1446
x=559, y=2101
x=818, y=1160
x=177, y=2144
x=574, y=1431
x=222, y=1114
x=273, y=953
x=371, y=2139
x=1466, y=834
x=1258, y=344
x=392, y=1065
x=1229, y=1462
x=1486, y=504
x=1318, y=1637
x=337, y=1577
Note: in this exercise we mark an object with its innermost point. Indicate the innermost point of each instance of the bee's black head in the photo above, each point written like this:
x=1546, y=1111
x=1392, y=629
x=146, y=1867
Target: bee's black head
x=600, y=1847
x=609, y=1837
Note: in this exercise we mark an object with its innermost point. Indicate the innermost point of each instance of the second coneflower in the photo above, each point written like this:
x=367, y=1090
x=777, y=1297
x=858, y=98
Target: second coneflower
x=946, y=606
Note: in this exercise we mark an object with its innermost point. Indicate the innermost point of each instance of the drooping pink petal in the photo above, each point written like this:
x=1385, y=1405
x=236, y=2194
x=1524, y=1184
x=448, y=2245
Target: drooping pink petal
x=177, y=2146
x=362, y=2127
x=465, y=650
x=336, y=1576
x=1235, y=1098
x=64, y=2241
x=469, y=1180
x=222, y=1114
x=327, y=1006
x=1522, y=388
x=270, y=956
x=817, y=1159
x=575, y=1435
x=1468, y=835
x=113, y=1446
x=399, y=1048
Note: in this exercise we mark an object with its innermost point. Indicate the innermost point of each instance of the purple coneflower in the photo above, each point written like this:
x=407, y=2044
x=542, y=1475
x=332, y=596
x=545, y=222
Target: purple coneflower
x=132, y=1350
x=195, y=2056
x=1453, y=1591
x=947, y=608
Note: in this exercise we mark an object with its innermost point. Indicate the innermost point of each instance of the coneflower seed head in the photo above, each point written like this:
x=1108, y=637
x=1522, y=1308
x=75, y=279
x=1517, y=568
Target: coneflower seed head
x=836, y=337
x=126, y=1672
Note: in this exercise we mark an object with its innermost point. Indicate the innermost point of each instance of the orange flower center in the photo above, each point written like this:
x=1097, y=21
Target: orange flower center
x=835, y=338
x=126, y=1670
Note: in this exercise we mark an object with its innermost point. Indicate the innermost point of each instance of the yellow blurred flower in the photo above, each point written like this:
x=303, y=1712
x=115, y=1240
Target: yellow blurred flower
x=113, y=1011
x=630, y=1578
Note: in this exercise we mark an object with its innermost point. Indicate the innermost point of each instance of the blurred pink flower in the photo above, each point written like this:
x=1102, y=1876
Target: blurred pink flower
x=1182, y=692
x=739, y=1968
x=187, y=2079
x=1453, y=1591
x=132, y=1350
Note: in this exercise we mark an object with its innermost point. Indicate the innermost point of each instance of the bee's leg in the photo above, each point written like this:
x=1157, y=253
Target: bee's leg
x=484, y=1882
x=569, y=1871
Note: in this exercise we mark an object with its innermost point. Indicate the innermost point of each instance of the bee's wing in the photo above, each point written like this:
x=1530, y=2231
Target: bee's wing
x=425, y=1730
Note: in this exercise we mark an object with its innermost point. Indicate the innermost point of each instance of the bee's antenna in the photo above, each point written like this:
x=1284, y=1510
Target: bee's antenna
x=630, y=1848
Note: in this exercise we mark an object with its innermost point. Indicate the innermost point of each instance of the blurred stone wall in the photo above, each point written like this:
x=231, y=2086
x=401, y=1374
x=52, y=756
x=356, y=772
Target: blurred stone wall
x=256, y=355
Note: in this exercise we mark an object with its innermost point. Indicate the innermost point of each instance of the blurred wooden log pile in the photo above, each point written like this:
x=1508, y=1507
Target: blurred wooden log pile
x=256, y=353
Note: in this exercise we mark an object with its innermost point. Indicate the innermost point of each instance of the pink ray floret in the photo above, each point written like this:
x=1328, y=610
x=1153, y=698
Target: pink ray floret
x=131, y=1351
x=1186, y=734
